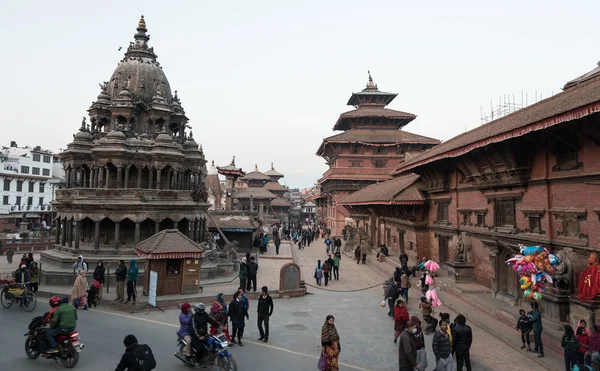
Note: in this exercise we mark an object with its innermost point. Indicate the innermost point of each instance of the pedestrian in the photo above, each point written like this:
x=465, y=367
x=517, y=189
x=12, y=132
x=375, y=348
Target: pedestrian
x=9, y=254
x=326, y=271
x=29, y=260
x=121, y=276
x=34, y=277
x=422, y=283
x=327, y=245
x=237, y=313
x=583, y=339
x=401, y=317
x=244, y=298
x=419, y=339
x=583, y=324
x=79, y=291
x=218, y=311
x=252, y=271
x=571, y=345
x=330, y=344
x=277, y=242
x=407, y=351
x=426, y=311
x=300, y=242
x=593, y=346
x=185, y=330
x=243, y=272
x=357, y=255
x=462, y=339
x=136, y=355
x=364, y=258
x=535, y=317
x=330, y=264
x=336, y=266
x=80, y=264
x=524, y=326
x=318, y=272
x=442, y=349
x=392, y=293
x=92, y=294
x=338, y=245
x=404, y=286
x=264, y=310
x=132, y=277
x=99, y=276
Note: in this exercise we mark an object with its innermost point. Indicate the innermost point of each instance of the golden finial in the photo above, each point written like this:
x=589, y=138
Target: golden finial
x=142, y=23
x=371, y=84
x=272, y=168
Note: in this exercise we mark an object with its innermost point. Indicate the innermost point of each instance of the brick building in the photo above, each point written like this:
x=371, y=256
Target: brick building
x=370, y=147
x=531, y=177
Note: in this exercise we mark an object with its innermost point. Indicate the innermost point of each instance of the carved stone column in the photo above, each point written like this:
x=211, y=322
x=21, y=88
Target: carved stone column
x=100, y=172
x=69, y=233
x=158, y=171
x=58, y=231
x=97, y=235
x=150, y=174
x=175, y=225
x=107, y=178
x=117, y=228
x=77, y=234
x=137, y=232
x=119, y=176
x=127, y=168
x=156, y=227
x=68, y=176
x=64, y=232
x=139, y=178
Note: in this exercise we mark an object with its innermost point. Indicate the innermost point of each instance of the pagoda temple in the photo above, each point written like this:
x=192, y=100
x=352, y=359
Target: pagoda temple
x=131, y=173
x=370, y=147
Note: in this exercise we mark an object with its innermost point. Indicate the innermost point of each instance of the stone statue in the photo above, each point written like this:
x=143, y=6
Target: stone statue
x=589, y=280
x=461, y=250
x=83, y=123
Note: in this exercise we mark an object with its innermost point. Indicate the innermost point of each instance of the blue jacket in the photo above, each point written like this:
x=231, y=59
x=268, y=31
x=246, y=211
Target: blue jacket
x=132, y=272
x=535, y=317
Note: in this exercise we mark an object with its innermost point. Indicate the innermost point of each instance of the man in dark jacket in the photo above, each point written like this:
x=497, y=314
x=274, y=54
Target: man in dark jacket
x=252, y=271
x=391, y=295
x=535, y=317
x=441, y=348
x=129, y=360
x=462, y=337
x=200, y=322
x=121, y=276
x=277, y=242
x=407, y=351
x=237, y=312
x=265, y=310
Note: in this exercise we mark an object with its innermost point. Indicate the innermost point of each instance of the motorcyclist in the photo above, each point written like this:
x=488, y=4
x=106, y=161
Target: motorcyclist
x=200, y=322
x=64, y=320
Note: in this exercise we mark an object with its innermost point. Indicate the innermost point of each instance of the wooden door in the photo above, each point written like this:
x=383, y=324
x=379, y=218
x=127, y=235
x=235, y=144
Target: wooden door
x=191, y=276
x=171, y=282
x=443, y=249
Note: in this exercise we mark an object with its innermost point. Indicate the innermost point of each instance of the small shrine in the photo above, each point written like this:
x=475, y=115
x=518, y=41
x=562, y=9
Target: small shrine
x=175, y=258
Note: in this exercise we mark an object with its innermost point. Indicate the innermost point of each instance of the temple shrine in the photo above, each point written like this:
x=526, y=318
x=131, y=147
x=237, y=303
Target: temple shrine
x=370, y=147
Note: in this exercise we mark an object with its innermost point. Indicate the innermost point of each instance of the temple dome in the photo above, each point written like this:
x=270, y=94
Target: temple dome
x=115, y=134
x=139, y=71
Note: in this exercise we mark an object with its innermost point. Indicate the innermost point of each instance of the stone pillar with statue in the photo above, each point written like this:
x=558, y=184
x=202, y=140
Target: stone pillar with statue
x=587, y=303
x=460, y=267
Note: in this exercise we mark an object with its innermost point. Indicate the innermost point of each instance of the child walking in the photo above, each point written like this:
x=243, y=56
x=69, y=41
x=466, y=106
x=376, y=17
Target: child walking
x=524, y=326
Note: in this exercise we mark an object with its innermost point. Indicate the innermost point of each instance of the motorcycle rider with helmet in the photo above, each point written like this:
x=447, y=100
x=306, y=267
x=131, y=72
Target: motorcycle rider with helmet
x=64, y=320
x=200, y=322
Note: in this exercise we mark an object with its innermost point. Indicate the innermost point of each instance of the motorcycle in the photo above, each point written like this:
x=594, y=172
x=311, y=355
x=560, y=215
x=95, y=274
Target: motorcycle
x=216, y=355
x=68, y=344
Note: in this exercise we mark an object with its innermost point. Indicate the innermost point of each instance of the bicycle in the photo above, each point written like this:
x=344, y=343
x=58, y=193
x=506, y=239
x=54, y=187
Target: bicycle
x=18, y=293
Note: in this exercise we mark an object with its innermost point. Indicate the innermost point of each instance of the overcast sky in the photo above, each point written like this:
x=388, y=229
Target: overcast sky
x=266, y=80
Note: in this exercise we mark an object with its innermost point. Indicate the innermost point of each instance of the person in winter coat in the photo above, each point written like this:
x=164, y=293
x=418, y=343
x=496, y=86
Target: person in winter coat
x=200, y=321
x=252, y=271
x=9, y=254
x=583, y=324
x=461, y=345
x=593, y=344
x=219, y=312
x=243, y=273
x=535, y=317
x=404, y=286
x=330, y=264
x=419, y=339
x=338, y=245
x=121, y=276
x=132, y=278
x=79, y=292
x=34, y=276
x=277, y=242
x=326, y=272
x=319, y=273
x=336, y=266
x=423, y=283
x=185, y=329
x=237, y=313
x=22, y=274
x=583, y=339
x=442, y=349
x=129, y=360
x=407, y=351
x=99, y=276
x=392, y=293
x=524, y=326
x=571, y=345
x=264, y=311
x=426, y=311
x=80, y=264
x=330, y=344
x=401, y=317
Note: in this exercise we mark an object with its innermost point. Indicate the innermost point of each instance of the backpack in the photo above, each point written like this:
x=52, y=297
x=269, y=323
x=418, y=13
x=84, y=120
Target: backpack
x=144, y=357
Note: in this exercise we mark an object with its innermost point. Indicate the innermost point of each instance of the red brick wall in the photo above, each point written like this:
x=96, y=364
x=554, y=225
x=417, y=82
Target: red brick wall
x=482, y=270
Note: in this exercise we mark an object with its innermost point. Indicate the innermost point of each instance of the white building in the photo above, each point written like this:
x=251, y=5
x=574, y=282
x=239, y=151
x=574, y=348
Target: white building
x=28, y=180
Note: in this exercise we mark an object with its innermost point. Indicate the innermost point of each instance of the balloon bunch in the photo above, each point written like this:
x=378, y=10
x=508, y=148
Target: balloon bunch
x=431, y=294
x=536, y=266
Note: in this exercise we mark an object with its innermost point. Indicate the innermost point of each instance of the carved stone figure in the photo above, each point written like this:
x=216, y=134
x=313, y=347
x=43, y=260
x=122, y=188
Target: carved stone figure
x=461, y=250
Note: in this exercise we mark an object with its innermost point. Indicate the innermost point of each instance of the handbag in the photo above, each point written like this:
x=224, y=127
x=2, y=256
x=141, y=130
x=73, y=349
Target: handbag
x=315, y=274
x=322, y=362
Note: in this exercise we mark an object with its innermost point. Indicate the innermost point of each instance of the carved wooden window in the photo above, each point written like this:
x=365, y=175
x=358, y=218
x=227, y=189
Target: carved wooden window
x=466, y=217
x=570, y=222
x=535, y=224
x=354, y=149
x=379, y=163
x=355, y=163
x=504, y=213
x=534, y=220
x=442, y=211
x=481, y=220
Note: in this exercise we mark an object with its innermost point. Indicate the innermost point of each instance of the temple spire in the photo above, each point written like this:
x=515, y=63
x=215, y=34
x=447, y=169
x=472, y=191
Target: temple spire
x=255, y=167
x=233, y=161
x=272, y=168
x=370, y=84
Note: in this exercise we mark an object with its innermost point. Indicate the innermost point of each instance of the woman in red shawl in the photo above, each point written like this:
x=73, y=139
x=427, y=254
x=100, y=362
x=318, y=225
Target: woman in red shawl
x=401, y=317
x=330, y=344
x=219, y=312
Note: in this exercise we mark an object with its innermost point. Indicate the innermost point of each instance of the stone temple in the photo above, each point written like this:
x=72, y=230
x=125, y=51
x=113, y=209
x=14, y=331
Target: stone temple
x=130, y=172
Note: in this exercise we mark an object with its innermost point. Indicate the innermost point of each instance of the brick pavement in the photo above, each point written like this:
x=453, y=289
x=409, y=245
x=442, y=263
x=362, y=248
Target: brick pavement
x=6, y=268
x=352, y=276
